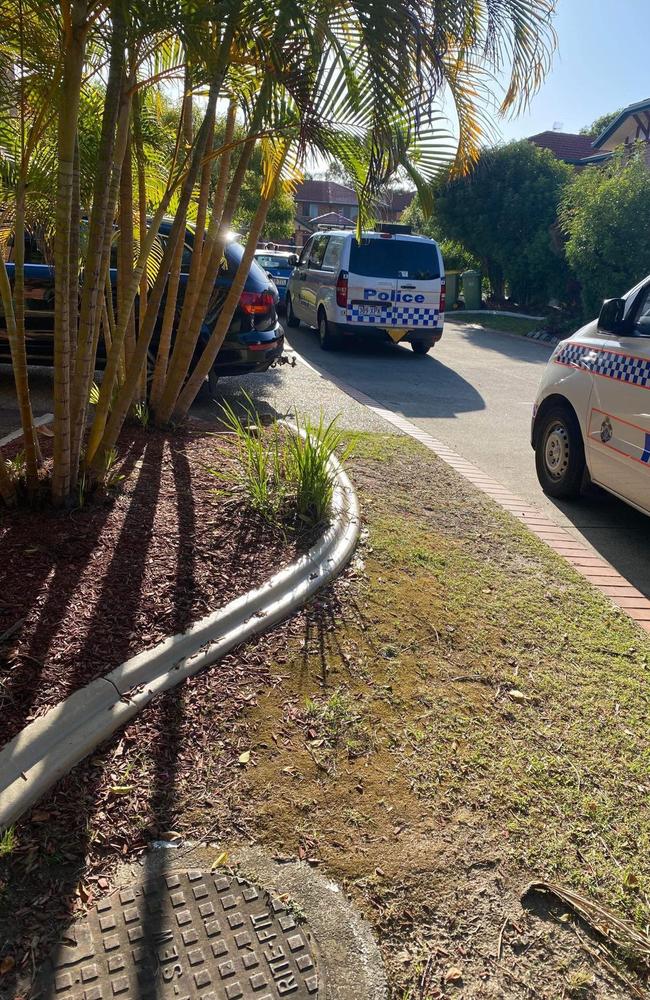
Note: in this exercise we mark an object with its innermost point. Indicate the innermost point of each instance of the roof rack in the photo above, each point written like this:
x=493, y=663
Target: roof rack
x=395, y=228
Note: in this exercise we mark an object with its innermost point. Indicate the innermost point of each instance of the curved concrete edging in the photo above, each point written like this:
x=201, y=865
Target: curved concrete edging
x=51, y=745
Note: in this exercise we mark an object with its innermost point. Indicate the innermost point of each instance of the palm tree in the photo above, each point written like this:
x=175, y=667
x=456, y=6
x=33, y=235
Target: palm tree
x=359, y=81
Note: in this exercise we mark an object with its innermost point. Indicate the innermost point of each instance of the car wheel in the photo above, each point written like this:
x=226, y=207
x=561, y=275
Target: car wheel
x=292, y=319
x=212, y=383
x=328, y=341
x=419, y=347
x=560, y=453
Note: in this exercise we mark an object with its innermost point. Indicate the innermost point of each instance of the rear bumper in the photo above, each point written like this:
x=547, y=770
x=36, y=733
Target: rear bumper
x=429, y=337
x=256, y=355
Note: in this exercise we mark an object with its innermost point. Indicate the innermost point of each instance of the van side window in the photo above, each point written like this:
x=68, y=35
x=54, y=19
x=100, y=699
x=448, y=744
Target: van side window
x=304, y=254
x=332, y=254
x=317, y=252
x=642, y=320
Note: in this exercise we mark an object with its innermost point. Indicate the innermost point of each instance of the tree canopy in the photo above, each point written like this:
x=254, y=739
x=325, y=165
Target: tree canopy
x=604, y=214
x=504, y=212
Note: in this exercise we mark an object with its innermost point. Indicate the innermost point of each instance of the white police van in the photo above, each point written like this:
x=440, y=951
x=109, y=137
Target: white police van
x=591, y=418
x=390, y=285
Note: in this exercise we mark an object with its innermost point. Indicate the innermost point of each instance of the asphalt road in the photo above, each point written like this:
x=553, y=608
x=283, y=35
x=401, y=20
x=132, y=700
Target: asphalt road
x=474, y=391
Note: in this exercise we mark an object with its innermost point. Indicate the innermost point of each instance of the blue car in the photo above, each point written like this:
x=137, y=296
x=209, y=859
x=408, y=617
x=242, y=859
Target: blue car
x=278, y=264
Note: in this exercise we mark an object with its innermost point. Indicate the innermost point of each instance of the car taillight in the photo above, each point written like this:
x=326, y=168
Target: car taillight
x=342, y=289
x=443, y=295
x=255, y=303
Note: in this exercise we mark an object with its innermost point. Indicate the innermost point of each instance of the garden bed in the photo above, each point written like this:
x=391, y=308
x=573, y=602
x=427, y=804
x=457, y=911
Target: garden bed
x=83, y=590
x=460, y=715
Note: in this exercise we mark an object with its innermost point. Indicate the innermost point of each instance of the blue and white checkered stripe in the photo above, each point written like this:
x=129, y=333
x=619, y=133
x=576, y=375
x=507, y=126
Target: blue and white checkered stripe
x=622, y=367
x=395, y=315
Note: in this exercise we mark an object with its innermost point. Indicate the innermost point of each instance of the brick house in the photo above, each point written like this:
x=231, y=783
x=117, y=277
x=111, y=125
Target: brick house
x=631, y=125
x=334, y=204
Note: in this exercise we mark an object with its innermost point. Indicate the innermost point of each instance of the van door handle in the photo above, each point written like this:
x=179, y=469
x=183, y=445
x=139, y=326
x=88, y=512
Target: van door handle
x=302, y=275
x=406, y=287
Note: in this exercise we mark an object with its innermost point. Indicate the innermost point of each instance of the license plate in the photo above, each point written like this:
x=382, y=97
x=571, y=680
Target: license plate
x=370, y=310
x=280, y=281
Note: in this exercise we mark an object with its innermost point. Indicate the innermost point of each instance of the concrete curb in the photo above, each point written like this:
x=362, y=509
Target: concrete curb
x=582, y=558
x=51, y=745
x=14, y=435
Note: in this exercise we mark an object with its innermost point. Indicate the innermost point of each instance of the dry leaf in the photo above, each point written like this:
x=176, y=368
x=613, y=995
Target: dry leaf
x=454, y=975
x=7, y=964
x=221, y=860
x=517, y=696
x=245, y=757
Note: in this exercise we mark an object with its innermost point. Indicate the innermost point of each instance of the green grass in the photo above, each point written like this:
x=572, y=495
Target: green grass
x=284, y=474
x=503, y=324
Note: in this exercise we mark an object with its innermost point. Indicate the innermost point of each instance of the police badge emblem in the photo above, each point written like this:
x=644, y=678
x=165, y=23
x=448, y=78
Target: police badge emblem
x=606, y=430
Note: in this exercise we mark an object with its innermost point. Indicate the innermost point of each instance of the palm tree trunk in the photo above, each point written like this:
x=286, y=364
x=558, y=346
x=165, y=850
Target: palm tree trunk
x=75, y=251
x=164, y=342
x=17, y=341
x=142, y=214
x=207, y=359
x=67, y=134
x=7, y=488
x=97, y=444
x=93, y=286
x=212, y=251
x=125, y=246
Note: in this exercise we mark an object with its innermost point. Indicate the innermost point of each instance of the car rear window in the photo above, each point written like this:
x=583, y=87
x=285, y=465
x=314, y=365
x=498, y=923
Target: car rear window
x=271, y=260
x=256, y=278
x=377, y=258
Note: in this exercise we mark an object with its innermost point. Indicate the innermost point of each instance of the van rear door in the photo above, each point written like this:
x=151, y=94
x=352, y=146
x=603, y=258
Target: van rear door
x=394, y=282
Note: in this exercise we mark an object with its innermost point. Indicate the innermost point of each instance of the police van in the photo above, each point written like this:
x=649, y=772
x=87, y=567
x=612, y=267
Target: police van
x=591, y=418
x=390, y=285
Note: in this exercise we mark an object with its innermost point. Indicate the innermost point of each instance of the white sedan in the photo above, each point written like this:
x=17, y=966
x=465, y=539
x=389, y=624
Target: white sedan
x=591, y=418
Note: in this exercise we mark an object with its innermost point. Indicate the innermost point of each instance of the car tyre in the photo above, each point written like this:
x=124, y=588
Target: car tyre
x=560, y=453
x=420, y=347
x=213, y=380
x=328, y=341
x=292, y=319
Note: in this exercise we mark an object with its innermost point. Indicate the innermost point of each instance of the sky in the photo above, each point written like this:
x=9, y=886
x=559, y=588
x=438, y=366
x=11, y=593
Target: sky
x=601, y=64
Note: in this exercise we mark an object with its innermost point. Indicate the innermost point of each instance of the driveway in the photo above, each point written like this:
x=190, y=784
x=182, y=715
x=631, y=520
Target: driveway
x=475, y=392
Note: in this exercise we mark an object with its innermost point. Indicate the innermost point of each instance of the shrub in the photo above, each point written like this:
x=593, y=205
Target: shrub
x=283, y=474
x=604, y=213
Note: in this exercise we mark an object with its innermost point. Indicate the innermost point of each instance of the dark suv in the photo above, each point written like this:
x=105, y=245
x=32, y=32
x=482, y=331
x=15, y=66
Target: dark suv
x=254, y=340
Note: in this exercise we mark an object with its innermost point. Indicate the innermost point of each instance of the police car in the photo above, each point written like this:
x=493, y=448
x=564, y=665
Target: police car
x=592, y=413
x=390, y=285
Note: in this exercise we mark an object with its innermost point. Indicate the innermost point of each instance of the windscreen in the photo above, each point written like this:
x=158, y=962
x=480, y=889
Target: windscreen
x=377, y=258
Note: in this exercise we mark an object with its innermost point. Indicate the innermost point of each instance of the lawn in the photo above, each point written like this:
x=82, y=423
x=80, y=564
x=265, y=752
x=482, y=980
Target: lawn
x=461, y=715
x=502, y=324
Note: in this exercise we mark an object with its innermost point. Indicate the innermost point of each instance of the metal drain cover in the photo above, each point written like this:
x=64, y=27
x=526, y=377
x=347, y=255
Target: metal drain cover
x=187, y=934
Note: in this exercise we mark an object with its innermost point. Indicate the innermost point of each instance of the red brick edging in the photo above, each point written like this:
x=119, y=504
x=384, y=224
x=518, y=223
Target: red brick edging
x=594, y=569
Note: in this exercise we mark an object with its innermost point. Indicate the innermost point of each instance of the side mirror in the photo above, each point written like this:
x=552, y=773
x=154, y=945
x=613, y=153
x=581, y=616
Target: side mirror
x=611, y=317
x=293, y=259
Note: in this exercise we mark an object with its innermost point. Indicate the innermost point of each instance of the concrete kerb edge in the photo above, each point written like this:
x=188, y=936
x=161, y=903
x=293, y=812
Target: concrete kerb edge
x=50, y=746
x=47, y=418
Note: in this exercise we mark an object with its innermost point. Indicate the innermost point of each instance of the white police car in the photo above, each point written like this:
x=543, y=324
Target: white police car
x=390, y=285
x=592, y=413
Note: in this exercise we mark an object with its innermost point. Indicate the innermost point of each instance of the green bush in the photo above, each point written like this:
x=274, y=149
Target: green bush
x=604, y=213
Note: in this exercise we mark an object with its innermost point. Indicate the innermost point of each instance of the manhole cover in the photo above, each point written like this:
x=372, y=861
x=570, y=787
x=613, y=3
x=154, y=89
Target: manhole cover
x=187, y=934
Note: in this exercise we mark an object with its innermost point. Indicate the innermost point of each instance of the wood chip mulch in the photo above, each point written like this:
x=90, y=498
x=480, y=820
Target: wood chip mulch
x=83, y=590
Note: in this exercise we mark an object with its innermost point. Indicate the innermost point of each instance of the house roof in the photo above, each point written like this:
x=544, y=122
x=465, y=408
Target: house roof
x=397, y=201
x=332, y=219
x=325, y=193
x=631, y=109
x=567, y=146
